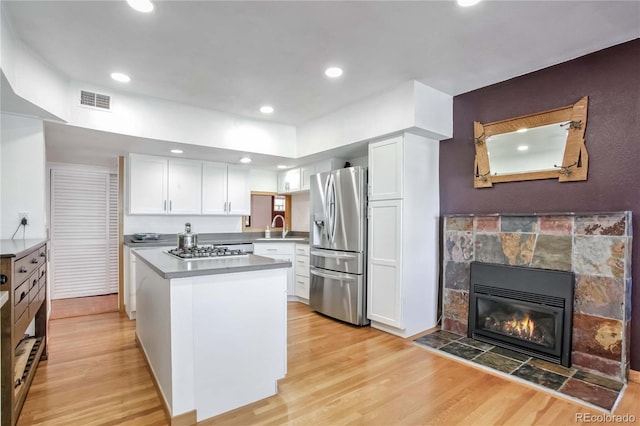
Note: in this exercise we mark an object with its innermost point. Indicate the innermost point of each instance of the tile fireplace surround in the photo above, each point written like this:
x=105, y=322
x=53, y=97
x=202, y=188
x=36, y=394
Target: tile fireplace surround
x=595, y=246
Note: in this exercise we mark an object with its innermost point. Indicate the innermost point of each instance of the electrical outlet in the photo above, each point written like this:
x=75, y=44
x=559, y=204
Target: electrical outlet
x=24, y=215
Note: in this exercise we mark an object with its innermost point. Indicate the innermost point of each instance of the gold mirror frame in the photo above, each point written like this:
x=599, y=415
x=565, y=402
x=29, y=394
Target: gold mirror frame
x=574, y=162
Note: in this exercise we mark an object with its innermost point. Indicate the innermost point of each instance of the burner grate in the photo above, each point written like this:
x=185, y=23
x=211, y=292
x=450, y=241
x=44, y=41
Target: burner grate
x=205, y=252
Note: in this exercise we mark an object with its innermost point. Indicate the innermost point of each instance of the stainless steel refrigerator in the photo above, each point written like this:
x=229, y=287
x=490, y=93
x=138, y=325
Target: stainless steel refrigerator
x=338, y=208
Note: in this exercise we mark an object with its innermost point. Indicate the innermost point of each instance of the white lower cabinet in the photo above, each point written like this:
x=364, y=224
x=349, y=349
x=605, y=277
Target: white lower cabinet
x=129, y=263
x=281, y=251
x=302, y=273
x=385, y=240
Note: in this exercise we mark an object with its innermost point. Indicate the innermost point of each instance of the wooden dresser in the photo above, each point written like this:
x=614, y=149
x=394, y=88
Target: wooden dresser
x=23, y=274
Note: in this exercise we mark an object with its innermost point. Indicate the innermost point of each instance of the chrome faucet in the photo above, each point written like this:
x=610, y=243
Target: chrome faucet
x=284, y=225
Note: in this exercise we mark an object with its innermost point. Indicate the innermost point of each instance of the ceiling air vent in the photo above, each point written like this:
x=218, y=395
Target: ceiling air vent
x=95, y=100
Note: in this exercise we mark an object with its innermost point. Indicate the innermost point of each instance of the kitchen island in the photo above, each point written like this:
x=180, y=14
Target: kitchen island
x=214, y=331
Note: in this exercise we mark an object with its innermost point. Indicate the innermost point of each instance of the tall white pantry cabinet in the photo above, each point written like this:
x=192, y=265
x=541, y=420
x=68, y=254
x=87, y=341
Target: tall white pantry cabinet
x=403, y=234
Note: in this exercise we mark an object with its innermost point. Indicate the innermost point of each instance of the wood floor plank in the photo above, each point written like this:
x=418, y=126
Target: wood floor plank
x=337, y=375
x=81, y=306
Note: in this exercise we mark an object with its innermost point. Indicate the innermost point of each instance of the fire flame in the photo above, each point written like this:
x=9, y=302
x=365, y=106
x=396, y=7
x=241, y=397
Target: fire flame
x=523, y=327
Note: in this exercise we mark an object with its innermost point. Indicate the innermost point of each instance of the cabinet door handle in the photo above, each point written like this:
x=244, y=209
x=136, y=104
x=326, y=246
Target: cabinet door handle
x=229, y=207
x=170, y=205
x=164, y=206
x=225, y=206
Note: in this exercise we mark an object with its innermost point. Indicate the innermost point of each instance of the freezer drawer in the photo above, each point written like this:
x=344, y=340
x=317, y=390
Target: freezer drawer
x=338, y=295
x=341, y=261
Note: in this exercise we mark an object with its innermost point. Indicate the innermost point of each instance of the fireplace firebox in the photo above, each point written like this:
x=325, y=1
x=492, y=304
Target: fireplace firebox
x=524, y=309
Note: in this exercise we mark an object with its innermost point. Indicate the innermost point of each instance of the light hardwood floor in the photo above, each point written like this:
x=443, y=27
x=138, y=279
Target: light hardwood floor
x=337, y=374
x=80, y=306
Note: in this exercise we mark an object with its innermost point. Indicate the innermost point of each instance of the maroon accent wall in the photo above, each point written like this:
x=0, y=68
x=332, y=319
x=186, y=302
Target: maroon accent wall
x=611, y=80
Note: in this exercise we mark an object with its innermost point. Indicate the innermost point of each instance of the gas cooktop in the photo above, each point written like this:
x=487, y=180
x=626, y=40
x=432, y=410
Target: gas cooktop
x=205, y=252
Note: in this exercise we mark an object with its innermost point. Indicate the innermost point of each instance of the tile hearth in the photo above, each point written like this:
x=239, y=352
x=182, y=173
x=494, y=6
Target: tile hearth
x=577, y=385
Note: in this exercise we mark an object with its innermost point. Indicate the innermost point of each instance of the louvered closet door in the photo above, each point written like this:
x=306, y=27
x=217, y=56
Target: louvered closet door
x=84, y=233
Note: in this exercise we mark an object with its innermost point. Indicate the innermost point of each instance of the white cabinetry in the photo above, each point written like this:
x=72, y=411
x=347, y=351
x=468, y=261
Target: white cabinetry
x=302, y=273
x=225, y=189
x=298, y=179
x=129, y=263
x=403, y=234
x=281, y=251
x=164, y=186
x=385, y=159
x=147, y=185
x=289, y=181
x=184, y=190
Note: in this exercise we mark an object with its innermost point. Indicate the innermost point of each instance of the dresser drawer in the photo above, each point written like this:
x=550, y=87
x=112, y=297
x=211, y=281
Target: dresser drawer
x=34, y=305
x=25, y=266
x=20, y=327
x=21, y=300
x=42, y=271
x=42, y=281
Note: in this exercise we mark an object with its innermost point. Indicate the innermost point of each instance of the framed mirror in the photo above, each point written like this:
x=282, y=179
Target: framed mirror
x=544, y=145
x=264, y=207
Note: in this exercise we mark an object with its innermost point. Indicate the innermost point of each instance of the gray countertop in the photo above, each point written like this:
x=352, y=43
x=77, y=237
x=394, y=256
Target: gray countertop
x=170, y=267
x=171, y=240
x=15, y=248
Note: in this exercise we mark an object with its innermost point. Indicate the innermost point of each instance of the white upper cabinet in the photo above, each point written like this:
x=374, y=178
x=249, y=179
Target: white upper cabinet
x=299, y=179
x=164, y=186
x=238, y=190
x=214, y=188
x=225, y=189
x=185, y=187
x=147, y=185
x=160, y=185
x=305, y=176
x=385, y=157
x=289, y=181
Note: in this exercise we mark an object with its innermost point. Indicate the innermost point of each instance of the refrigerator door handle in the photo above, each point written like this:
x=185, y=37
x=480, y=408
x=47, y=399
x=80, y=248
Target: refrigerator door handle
x=331, y=207
x=332, y=255
x=334, y=275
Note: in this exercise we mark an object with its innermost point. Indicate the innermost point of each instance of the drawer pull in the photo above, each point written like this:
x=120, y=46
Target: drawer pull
x=3, y=279
x=41, y=273
x=34, y=283
x=34, y=260
x=23, y=269
x=23, y=295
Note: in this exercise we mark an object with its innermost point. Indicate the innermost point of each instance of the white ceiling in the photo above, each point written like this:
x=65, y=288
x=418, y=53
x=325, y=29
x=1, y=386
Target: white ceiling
x=234, y=56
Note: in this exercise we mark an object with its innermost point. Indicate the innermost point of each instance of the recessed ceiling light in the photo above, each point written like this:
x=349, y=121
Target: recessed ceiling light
x=467, y=3
x=144, y=6
x=177, y=151
x=245, y=160
x=522, y=130
x=333, y=72
x=266, y=109
x=281, y=166
x=122, y=78
x=523, y=148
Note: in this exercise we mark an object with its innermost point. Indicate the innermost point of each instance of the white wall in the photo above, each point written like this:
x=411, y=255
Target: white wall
x=22, y=176
x=159, y=119
x=30, y=77
x=409, y=106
